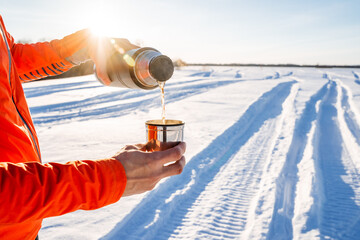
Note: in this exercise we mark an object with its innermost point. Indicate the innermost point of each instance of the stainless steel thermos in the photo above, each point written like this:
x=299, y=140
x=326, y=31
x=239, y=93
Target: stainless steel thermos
x=140, y=68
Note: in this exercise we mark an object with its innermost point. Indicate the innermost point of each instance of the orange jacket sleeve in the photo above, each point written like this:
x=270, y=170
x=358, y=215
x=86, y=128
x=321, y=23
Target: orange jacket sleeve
x=39, y=60
x=33, y=191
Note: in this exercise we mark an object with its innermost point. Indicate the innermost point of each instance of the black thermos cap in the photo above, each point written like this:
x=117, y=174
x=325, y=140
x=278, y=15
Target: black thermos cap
x=161, y=68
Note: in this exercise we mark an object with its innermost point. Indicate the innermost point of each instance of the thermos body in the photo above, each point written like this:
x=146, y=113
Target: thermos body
x=139, y=68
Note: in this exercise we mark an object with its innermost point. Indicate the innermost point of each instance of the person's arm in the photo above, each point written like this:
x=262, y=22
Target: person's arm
x=39, y=60
x=33, y=191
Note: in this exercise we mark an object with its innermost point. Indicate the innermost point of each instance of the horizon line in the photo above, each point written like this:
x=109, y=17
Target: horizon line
x=275, y=65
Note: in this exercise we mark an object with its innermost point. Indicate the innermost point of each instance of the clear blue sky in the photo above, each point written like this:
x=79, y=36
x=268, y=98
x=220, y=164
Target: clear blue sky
x=218, y=31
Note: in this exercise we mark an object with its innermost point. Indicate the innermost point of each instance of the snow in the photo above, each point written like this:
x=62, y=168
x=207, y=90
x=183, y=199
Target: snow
x=273, y=153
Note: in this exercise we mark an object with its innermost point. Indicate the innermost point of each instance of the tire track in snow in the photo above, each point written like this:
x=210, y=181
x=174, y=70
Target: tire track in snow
x=92, y=108
x=349, y=122
x=55, y=88
x=39, y=91
x=121, y=94
x=202, y=74
x=223, y=209
x=164, y=209
x=88, y=104
x=335, y=208
x=148, y=100
x=350, y=114
x=281, y=223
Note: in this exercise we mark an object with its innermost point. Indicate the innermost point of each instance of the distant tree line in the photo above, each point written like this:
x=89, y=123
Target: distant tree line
x=271, y=65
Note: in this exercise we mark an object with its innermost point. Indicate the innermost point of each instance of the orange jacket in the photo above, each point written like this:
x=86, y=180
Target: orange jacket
x=29, y=190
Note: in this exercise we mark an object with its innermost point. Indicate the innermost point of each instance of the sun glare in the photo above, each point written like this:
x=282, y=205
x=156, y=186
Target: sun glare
x=99, y=31
x=99, y=20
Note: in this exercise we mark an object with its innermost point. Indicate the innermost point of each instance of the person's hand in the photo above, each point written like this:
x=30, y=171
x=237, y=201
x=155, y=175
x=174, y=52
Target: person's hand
x=156, y=145
x=145, y=169
x=102, y=49
x=89, y=46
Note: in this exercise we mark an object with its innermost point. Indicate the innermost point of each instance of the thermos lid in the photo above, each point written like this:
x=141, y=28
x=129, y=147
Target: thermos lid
x=161, y=68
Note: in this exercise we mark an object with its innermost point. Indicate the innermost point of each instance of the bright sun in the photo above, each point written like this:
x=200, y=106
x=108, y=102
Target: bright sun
x=99, y=19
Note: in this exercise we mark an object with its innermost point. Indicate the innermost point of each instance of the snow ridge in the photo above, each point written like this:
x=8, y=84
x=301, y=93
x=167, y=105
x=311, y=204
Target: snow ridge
x=281, y=224
x=337, y=215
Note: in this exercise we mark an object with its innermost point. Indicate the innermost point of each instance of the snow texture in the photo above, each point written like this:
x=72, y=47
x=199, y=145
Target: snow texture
x=273, y=153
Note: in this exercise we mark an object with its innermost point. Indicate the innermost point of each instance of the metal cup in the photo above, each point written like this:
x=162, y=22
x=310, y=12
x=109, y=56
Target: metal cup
x=158, y=132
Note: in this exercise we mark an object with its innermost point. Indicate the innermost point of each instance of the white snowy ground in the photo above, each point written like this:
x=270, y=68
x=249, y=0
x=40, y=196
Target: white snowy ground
x=273, y=153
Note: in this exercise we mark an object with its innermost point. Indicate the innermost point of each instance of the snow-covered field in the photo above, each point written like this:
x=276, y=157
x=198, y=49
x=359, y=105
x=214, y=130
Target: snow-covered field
x=273, y=153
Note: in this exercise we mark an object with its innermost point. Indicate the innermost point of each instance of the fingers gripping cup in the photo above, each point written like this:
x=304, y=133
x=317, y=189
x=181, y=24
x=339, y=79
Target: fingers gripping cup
x=158, y=132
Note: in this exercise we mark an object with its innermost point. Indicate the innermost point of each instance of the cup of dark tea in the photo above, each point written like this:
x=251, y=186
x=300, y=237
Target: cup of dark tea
x=163, y=131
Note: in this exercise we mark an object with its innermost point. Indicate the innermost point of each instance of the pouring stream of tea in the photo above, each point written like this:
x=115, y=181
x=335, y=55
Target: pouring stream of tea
x=162, y=85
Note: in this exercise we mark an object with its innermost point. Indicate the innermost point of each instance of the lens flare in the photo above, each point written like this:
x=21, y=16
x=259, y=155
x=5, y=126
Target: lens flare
x=117, y=47
x=129, y=60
